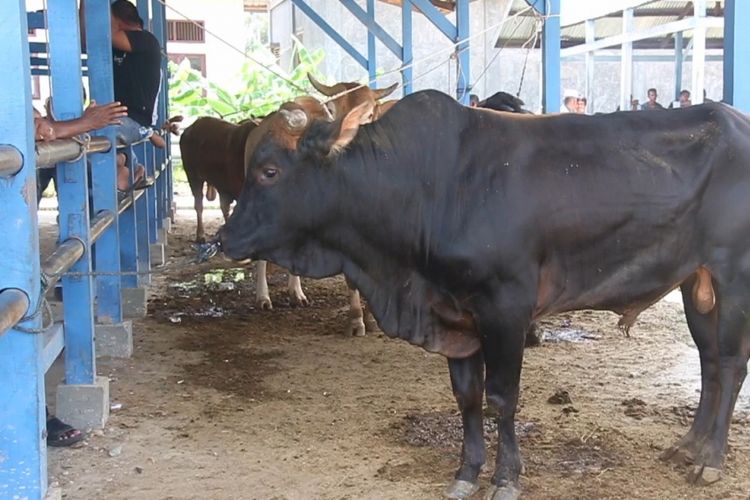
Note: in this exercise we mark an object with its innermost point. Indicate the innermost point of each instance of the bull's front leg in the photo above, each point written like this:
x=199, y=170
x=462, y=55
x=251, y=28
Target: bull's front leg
x=261, y=286
x=467, y=380
x=503, y=330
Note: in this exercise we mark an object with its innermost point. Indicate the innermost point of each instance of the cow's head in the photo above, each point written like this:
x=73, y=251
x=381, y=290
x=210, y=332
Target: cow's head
x=349, y=95
x=289, y=191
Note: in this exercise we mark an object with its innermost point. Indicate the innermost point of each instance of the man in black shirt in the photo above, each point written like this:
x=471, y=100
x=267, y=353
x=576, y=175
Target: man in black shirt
x=136, y=58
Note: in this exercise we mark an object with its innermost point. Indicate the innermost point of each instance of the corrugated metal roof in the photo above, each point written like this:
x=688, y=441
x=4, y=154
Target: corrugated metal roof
x=519, y=31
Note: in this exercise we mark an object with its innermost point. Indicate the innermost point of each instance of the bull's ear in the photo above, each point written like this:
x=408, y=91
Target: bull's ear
x=350, y=125
x=324, y=139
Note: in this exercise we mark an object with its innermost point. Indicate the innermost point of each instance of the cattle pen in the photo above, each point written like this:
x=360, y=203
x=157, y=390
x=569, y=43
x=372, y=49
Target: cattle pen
x=248, y=382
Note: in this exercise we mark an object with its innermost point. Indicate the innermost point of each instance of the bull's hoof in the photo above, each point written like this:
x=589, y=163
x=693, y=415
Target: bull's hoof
x=265, y=304
x=460, y=489
x=356, y=328
x=299, y=300
x=678, y=455
x=533, y=336
x=507, y=492
x=703, y=475
x=371, y=326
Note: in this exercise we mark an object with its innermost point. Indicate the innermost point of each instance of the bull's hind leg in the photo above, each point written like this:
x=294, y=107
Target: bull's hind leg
x=723, y=339
x=296, y=295
x=356, y=324
x=703, y=330
x=467, y=379
x=261, y=286
x=225, y=201
x=733, y=353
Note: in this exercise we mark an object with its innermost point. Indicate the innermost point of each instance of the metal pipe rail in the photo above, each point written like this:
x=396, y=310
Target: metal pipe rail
x=63, y=258
x=11, y=161
x=48, y=154
x=13, y=306
x=100, y=223
x=69, y=251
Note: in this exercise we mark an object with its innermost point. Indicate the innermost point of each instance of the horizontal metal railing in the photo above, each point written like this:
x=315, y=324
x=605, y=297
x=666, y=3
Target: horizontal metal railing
x=10, y=161
x=13, y=306
x=50, y=153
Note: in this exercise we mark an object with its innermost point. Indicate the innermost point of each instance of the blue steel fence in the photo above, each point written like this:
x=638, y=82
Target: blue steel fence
x=104, y=243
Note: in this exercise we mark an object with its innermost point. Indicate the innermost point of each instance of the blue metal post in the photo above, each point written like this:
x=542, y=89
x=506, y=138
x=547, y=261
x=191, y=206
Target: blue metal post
x=103, y=165
x=371, y=53
x=159, y=26
x=330, y=31
x=72, y=193
x=23, y=467
x=550, y=55
x=737, y=54
x=407, y=56
x=463, y=60
x=151, y=192
x=143, y=11
x=141, y=220
x=128, y=239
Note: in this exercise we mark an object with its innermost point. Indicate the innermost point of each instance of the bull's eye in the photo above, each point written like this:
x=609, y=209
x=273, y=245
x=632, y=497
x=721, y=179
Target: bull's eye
x=267, y=175
x=269, y=172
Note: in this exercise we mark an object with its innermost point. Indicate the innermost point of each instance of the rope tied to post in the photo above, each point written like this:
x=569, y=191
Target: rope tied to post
x=84, y=140
x=43, y=310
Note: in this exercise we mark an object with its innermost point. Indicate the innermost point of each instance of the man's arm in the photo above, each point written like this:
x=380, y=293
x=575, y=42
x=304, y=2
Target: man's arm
x=121, y=41
x=95, y=117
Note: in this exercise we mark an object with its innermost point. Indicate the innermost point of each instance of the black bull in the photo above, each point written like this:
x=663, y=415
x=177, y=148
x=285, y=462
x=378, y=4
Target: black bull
x=462, y=226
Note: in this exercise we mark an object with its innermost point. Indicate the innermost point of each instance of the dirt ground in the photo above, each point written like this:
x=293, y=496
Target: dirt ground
x=223, y=401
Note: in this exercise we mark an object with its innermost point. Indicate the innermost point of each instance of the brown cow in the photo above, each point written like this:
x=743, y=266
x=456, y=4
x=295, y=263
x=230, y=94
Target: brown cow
x=212, y=153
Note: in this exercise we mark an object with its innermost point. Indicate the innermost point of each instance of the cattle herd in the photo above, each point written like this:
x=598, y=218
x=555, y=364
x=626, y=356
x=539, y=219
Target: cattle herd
x=462, y=226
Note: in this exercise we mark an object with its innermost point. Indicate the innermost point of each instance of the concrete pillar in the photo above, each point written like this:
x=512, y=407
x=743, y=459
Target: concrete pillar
x=84, y=406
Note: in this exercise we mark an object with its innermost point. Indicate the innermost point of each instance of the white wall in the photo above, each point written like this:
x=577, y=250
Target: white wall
x=225, y=18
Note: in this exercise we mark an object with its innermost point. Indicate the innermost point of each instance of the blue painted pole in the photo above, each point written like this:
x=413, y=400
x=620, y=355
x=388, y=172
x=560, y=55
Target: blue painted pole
x=737, y=54
x=372, y=67
x=159, y=25
x=463, y=60
x=150, y=195
x=23, y=468
x=551, y=94
x=144, y=11
x=330, y=31
x=128, y=239
x=72, y=193
x=103, y=165
x=407, y=42
x=142, y=221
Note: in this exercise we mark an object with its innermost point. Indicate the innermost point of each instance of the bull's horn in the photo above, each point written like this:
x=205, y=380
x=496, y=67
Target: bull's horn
x=296, y=118
x=380, y=93
x=323, y=89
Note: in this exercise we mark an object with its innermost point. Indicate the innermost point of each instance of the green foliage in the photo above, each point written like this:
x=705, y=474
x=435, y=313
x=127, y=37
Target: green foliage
x=261, y=92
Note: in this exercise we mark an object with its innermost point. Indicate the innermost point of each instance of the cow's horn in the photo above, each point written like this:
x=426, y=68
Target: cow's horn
x=380, y=93
x=296, y=118
x=323, y=89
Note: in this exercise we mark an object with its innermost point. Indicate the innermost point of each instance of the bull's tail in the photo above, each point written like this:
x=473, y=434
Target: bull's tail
x=210, y=192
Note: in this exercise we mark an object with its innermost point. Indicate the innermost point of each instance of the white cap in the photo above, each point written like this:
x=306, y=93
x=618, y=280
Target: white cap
x=571, y=93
